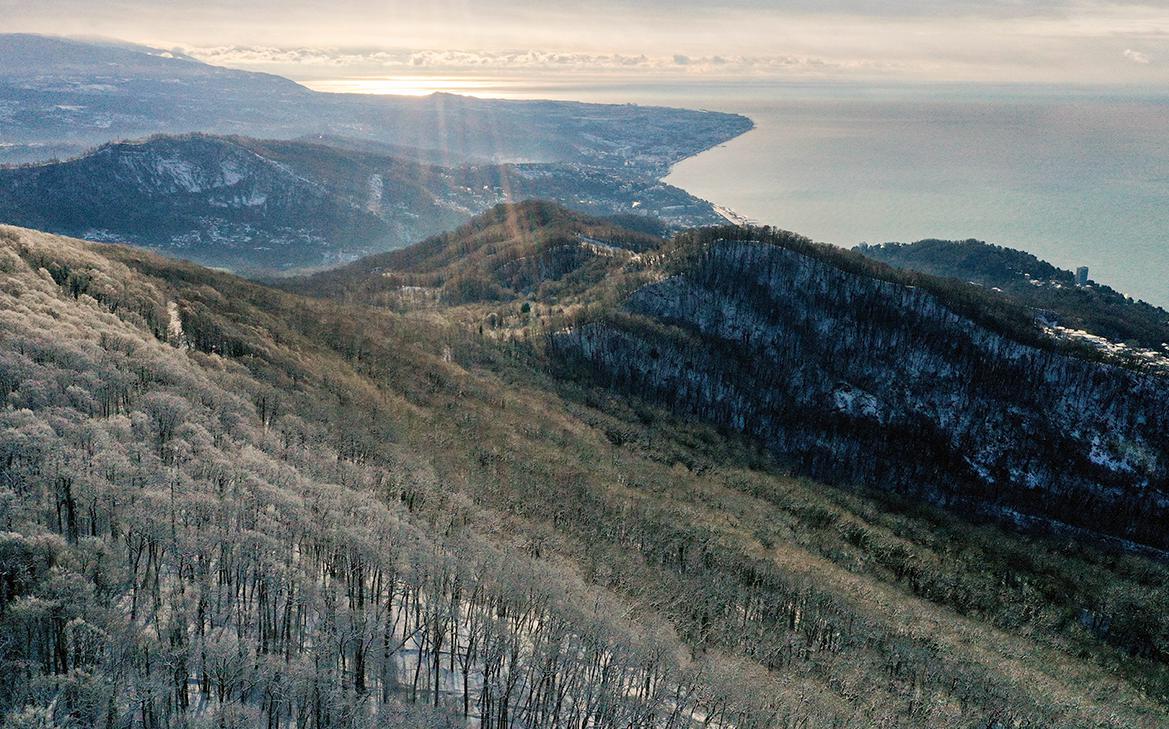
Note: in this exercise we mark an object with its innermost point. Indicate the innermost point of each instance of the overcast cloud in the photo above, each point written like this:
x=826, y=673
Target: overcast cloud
x=1059, y=41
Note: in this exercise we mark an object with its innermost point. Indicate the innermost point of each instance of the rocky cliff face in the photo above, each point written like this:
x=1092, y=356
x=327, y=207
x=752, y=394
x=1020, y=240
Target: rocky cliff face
x=855, y=379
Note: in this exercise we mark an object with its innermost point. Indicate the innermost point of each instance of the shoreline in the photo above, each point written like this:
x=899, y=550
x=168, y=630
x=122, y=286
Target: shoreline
x=727, y=213
x=731, y=216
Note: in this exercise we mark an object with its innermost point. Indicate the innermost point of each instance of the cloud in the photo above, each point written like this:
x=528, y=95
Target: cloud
x=1013, y=41
x=318, y=61
x=1137, y=57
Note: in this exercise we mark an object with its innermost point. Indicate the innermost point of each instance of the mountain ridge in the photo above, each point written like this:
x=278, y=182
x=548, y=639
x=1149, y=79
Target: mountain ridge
x=1096, y=308
x=693, y=324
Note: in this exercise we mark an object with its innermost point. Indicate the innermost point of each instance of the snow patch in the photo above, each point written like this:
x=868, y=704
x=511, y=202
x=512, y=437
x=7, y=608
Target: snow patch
x=856, y=402
x=1137, y=355
x=374, y=202
x=174, y=326
x=101, y=235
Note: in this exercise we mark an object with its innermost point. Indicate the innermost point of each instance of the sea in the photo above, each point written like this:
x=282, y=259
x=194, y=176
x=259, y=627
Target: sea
x=1077, y=176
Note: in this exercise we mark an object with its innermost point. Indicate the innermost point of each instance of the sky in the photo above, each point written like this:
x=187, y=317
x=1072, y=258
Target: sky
x=1096, y=42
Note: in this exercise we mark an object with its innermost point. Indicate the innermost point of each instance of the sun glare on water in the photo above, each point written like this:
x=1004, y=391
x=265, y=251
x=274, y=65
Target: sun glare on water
x=414, y=86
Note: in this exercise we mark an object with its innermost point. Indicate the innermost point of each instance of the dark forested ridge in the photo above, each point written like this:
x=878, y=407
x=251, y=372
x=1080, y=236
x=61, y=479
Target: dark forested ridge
x=227, y=505
x=1095, y=308
x=859, y=379
x=534, y=250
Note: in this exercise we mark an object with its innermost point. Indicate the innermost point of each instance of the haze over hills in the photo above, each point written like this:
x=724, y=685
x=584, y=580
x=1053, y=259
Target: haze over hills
x=270, y=206
x=233, y=504
x=365, y=174
x=60, y=96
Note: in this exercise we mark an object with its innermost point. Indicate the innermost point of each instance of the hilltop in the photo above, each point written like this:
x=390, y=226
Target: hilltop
x=509, y=253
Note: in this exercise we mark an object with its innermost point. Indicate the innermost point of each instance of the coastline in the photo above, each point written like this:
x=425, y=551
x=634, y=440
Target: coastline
x=730, y=215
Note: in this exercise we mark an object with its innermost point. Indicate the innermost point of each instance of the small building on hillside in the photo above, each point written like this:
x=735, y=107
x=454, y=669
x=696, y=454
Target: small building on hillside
x=1082, y=276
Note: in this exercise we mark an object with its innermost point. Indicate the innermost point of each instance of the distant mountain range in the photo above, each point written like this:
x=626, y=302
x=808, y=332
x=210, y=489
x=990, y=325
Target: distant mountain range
x=270, y=206
x=59, y=97
x=353, y=174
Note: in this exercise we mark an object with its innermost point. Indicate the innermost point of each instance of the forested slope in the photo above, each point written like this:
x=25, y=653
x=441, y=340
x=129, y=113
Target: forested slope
x=225, y=505
x=849, y=371
x=179, y=542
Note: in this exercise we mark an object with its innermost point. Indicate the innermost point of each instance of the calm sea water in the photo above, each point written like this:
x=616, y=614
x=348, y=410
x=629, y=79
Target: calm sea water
x=1075, y=180
x=1077, y=177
